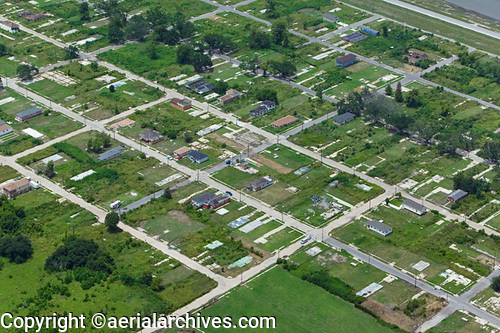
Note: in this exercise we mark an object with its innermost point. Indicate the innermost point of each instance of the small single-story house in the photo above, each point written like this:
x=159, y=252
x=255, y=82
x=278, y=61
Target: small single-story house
x=330, y=18
x=285, y=121
x=181, y=104
x=258, y=111
x=5, y=129
x=110, y=154
x=230, y=96
x=217, y=202
x=414, y=207
x=24, y=13
x=204, y=88
x=354, y=37
x=195, y=83
x=182, y=151
x=346, y=61
x=344, y=118
x=9, y=26
x=315, y=198
x=369, y=30
x=457, y=196
x=14, y=189
x=151, y=137
x=30, y=113
x=268, y=105
x=35, y=17
x=416, y=57
x=379, y=227
x=198, y=157
x=202, y=199
x=260, y=183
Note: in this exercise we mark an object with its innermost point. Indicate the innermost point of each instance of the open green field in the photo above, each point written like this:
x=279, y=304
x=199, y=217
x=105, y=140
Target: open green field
x=280, y=294
x=281, y=239
x=6, y=173
x=48, y=224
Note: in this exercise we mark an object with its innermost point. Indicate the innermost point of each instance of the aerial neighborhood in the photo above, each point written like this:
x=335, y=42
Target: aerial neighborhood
x=316, y=166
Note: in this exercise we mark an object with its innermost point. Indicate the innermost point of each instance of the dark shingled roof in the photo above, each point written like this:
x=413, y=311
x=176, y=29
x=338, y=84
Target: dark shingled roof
x=379, y=225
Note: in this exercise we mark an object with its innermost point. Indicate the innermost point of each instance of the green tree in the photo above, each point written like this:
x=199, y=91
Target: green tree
x=151, y=48
x=17, y=249
x=71, y=51
x=137, y=28
x=112, y=88
x=166, y=194
x=318, y=89
x=111, y=221
x=3, y=50
x=94, y=66
x=25, y=72
x=279, y=31
x=221, y=87
x=495, y=285
x=398, y=96
x=271, y=9
x=84, y=11
x=49, y=170
x=388, y=90
x=115, y=31
x=413, y=99
x=259, y=40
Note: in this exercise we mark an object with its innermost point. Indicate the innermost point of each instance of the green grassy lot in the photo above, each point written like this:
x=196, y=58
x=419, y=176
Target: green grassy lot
x=456, y=323
x=416, y=238
x=6, y=173
x=281, y=239
x=429, y=24
x=483, y=297
x=47, y=224
x=279, y=294
x=91, y=96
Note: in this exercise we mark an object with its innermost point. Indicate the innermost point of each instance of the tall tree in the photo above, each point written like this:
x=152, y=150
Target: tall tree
x=111, y=221
x=136, y=28
x=279, y=31
x=84, y=11
x=388, y=90
x=398, y=95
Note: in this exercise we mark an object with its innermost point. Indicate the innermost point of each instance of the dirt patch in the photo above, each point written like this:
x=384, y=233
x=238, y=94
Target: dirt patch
x=229, y=142
x=248, y=244
x=180, y=216
x=357, y=66
x=142, y=224
x=329, y=257
x=270, y=163
x=410, y=68
x=486, y=261
x=391, y=316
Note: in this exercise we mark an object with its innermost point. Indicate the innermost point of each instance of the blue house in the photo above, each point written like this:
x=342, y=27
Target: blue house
x=369, y=30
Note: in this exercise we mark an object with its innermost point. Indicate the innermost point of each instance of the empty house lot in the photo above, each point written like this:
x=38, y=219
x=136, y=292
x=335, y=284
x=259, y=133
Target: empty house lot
x=453, y=264
x=461, y=322
x=397, y=302
x=95, y=92
x=127, y=177
x=31, y=132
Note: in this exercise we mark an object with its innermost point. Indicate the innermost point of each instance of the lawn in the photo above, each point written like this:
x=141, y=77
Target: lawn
x=456, y=324
x=281, y=239
x=287, y=298
x=6, y=173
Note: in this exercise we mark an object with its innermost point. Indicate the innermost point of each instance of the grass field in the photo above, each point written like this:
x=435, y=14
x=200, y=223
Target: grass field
x=6, y=173
x=456, y=324
x=280, y=294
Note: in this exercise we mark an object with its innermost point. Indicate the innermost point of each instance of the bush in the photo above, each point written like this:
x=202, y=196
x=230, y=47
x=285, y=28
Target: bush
x=17, y=249
x=496, y=284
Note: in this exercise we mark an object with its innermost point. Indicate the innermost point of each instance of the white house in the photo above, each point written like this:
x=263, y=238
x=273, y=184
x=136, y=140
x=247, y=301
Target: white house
x=5, y=129
x=9, y=26
x=379, y=227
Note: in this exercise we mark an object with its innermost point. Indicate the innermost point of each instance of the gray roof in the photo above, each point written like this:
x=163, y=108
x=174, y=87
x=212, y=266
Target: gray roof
x=414, y=205
x=258, y=110
x=204, y=198
x=268, y=104
x=28, y=112
x=344, y=117
x=259, y=182
x=150, y=136
x=355, y=37
x=195, y=83
x=204, y=88
x=379, y=225
x=2, y=122
x=196, y=155
x=458, y=194
x=107, y=155
x=330, y=16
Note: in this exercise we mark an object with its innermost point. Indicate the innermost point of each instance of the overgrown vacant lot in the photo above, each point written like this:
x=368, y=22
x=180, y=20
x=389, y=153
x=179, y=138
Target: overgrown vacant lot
x=51, y=124
x=84, y=88
x=6, y=173
x=416, y=238
x=50, y=225
x=128, y=177
x=288, y=298
x=476, y=74
x=24, y=47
